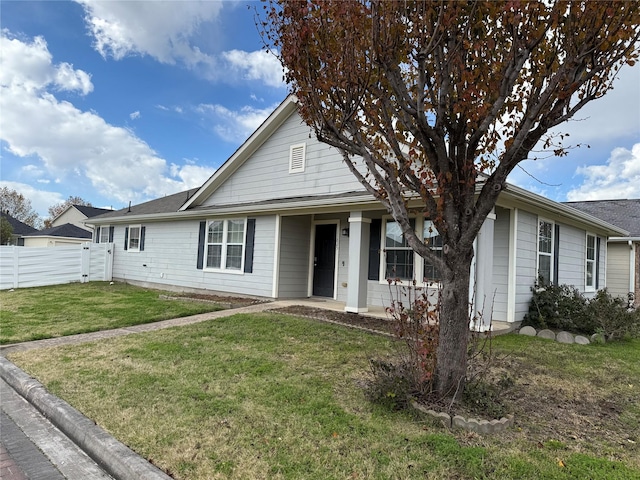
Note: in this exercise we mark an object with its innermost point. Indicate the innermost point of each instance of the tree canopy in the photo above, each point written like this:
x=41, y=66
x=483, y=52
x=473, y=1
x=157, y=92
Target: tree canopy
x=58, y=208
x=433, y=103
x=19, y=207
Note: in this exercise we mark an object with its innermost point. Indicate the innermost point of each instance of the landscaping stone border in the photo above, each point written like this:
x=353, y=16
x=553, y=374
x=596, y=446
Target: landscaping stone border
x=560, y=337
x=469, y=424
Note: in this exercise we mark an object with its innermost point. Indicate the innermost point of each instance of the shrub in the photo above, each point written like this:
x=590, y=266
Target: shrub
x=563, y=307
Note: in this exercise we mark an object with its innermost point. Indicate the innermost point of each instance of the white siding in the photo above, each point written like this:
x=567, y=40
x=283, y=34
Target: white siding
x=170, y=256
x=571, y=257
x=265, y=176
x=500, y=264
x=618, y=269
x=294, y=257
x=73, y=216
x=526, y=252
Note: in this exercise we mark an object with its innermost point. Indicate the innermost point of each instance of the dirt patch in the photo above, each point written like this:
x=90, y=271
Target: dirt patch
x=223, y=300
x=380, y=325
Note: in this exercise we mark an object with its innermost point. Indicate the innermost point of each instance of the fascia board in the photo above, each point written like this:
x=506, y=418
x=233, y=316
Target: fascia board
x=257, y=138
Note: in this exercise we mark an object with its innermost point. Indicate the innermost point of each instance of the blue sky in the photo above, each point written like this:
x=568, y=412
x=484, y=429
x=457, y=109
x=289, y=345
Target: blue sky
x=129, y=101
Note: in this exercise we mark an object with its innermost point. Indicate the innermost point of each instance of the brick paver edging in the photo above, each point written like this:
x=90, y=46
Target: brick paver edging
x=115, y=457
x=470, y=424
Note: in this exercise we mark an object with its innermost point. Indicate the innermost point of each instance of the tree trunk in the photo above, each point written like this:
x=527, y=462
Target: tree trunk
x=451, y=363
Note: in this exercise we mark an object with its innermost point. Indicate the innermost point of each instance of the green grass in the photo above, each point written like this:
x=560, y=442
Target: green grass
x=274, y=396
x=45, y=312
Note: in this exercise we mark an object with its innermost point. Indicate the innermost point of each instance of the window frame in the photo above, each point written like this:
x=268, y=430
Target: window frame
x=587, y=261
x=549, y=254
x=434, y=248
x=418, y=262
x=104, y=230
x=224, y=246
x=130, y=237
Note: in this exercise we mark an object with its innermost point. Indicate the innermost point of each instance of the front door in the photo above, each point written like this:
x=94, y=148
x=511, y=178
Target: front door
x=324, y=260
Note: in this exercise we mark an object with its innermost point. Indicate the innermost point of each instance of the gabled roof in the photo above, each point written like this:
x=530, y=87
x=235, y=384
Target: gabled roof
x=67, y=230
x=622, y=213
x=91, y=211
x=257, y=138
x=168, y=204
x=19, y=228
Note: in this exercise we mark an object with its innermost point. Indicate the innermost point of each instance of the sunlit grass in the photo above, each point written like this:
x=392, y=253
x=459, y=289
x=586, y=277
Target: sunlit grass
x=45, y=312
x=273, y=396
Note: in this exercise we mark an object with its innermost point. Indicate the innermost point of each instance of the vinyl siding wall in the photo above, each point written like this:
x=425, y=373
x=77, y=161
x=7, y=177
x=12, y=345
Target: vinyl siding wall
x=500, y=263
x=526, y=261
x=618, y=269
x=170, y=255
x=294, y=257
x=572, y=257
x=265, y=176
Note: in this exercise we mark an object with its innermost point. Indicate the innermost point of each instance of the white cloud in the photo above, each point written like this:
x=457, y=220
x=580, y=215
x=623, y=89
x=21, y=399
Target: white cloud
x=68, y=141
x=135, y=115
x=191, y=175
x=235, y=125
x=618, y=178
x=40, y=200
x=257, y=65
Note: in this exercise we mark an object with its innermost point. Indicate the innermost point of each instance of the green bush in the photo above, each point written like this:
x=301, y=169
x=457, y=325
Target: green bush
x=563, y=307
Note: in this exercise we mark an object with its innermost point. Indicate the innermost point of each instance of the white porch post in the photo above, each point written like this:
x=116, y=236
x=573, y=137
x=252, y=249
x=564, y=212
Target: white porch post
x=359, y=228
x=483, y=303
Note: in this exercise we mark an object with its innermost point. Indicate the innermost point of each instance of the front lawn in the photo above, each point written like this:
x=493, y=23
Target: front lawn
x=275, y=396
x=44, y=312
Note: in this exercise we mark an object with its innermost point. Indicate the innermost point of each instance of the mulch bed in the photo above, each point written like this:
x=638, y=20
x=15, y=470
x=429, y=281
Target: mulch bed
x=381, y=325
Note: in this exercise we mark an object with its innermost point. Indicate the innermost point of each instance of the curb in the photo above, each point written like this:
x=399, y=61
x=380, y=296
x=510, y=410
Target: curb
x=113, y=456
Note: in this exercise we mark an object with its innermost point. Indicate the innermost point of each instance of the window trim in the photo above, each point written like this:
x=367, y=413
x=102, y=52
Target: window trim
x=418, y=261
x=104, y=229
x=593, y=261
x=129, y=247
x=549, y=254
x=303, y=161
x=224, y=246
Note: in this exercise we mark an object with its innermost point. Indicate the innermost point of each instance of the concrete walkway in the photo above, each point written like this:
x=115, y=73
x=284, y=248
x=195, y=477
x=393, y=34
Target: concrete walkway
x=43, y=437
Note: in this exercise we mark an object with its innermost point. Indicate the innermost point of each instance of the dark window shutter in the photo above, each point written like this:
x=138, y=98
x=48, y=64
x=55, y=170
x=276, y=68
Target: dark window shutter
x=597, y=263
x=556, y=253
x=111, y=228
x=374, y=249
x=126, y=238
x=97, y=235
x=248, y=248
x=142, y=230
x=21, y=242
x=201, y=237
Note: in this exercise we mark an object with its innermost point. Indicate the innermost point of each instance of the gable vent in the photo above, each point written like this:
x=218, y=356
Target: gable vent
x=297, y=158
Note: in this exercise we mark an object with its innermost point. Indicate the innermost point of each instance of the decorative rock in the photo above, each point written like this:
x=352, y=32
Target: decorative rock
x=484, y=426
x=528, y=331
x=473, y=425
x=597, y=338
x=446, y=419
x=546, y=333
x=580, y=340
x=564, y=337
x=459, y=421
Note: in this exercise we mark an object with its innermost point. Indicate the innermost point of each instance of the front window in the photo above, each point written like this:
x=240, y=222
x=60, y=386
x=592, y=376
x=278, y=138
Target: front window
x=225, y=244
x=433, y=240
x=545, y=252
x=134, y=238
x=590, y=267
x=104, y=235
x=397, y=252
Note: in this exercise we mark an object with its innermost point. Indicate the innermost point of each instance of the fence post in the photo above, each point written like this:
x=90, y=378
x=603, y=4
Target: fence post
x=85, y=262
x=16, y=264
x=108, y=261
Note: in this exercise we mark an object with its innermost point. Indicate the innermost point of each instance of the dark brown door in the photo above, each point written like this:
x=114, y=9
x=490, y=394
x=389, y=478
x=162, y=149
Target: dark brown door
x=324, y=260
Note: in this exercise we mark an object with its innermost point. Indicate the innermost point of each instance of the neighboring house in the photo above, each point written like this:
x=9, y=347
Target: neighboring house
x=283, y=217
x=623, y=252
x=19, y=229
x=68, y=228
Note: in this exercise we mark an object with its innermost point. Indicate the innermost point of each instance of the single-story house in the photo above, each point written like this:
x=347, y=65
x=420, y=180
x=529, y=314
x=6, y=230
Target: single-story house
x=623, y=252
x=19, y=229
x=283, y=217
x=68, y=228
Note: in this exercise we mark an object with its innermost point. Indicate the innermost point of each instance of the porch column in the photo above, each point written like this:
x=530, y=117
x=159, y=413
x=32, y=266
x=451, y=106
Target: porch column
x=484, y=291
x=359, y=228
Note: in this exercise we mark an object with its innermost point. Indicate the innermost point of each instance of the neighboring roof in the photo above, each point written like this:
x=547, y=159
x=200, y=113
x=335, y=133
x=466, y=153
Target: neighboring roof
x=168, y=204
x=67, y=230
x=19, y=228
x=91, y=211
x=622, y=213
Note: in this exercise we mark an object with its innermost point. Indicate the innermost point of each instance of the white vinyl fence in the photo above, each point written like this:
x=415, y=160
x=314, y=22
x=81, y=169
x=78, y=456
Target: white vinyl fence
x=35, y=267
